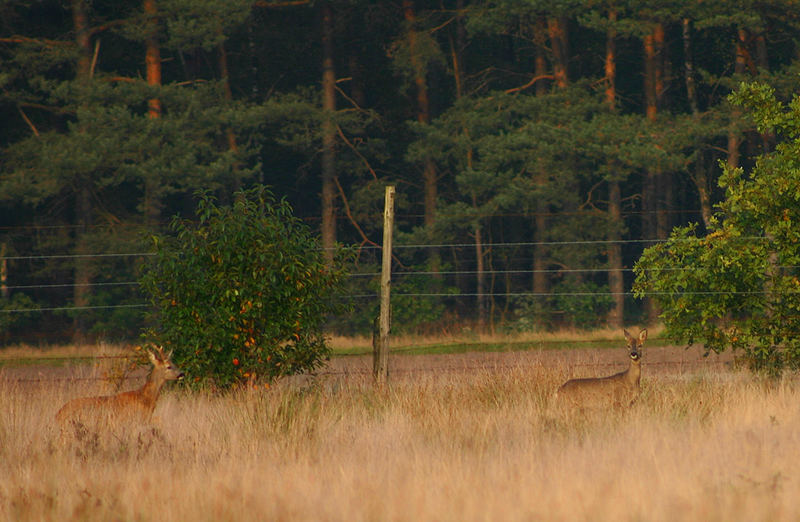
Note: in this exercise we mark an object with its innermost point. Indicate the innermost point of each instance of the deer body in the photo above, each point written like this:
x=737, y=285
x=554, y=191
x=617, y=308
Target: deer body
x=131, y=406
x=620, y=389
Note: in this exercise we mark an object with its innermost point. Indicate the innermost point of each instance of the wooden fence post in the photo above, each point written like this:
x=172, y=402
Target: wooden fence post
x=381, y=354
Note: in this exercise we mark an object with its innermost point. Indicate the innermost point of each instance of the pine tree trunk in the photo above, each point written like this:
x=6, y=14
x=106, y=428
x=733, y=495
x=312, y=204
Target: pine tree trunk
x=700, y=176
x=616, y=283
x=740, y=66
x=83, y=205
x=540, y=280
x=688, y=63
x=328, y=136
x=611, y=61
x=650, y=207
x=152, y=56
x=457, y=43
x=429, y=174
x=481, y=278
x=557, y=28
x=762, y=66
x=224, y=74
x=664, y=189
x=658, y=66
x=152, y=60
x=650, y=96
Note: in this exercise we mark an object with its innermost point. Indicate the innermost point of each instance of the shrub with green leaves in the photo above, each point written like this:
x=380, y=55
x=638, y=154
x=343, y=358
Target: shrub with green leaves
x=242, y=293
x=738, y=286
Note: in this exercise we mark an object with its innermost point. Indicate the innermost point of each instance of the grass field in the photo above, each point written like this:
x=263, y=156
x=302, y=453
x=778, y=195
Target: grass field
x=453, y=437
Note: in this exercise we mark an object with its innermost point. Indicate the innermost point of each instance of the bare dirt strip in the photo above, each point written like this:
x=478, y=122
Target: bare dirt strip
x=657, y=361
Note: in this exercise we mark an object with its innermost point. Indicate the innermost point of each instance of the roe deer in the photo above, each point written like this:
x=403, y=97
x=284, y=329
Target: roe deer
x=130, y=406
x=620, y=389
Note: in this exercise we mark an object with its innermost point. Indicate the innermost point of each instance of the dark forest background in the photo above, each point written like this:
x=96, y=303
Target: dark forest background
x=537, y=147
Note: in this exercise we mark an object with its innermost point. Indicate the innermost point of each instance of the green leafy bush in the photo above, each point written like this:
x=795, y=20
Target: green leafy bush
x=242, y=293
x=738, y=286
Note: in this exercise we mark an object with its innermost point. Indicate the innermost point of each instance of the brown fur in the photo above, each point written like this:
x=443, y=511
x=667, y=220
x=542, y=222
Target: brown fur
x=131, y=406
x=620, y=389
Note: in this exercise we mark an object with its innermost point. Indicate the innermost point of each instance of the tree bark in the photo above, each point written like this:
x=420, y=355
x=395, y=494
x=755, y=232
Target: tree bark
x=83, y=205
x=483, y=307
x=688, y=63
x=700, y=176
x=328, y=136
x=652, y=212
x=740, y=66
x=152, y=58
x=557, y=29
x=611, y=60
x=429, y=174
x=762, y=67
x=650, y=96
x=224, y=74
x=457, y=43
x=616, y=283
x=658, y=69
x=541, y=209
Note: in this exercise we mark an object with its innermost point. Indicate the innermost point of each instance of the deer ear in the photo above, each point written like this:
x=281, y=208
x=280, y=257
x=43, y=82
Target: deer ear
x=152, y=356
x=643, y=335
x=627, y=335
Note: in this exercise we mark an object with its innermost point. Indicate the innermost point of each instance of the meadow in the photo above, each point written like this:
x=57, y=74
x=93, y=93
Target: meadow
x=455, y=437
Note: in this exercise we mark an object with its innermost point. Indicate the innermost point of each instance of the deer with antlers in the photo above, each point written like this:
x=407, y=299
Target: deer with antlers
x=131, y=406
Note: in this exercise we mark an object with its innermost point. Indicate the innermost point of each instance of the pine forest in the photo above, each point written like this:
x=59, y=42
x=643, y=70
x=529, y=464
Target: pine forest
x=537, y=148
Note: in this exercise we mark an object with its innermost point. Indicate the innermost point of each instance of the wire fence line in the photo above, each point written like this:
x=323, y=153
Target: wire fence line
x=426, y=295
x=395, y=246
x=397, y=275
x=369, y=215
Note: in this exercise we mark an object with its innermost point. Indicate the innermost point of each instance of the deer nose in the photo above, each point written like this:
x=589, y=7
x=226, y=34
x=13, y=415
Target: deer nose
x=180, y=376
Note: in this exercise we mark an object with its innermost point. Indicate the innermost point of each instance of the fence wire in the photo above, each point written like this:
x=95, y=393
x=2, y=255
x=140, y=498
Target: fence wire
x=397, y=275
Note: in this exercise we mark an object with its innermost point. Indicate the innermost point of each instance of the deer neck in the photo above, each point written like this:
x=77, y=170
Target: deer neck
x=634, y=372
x=152, y=388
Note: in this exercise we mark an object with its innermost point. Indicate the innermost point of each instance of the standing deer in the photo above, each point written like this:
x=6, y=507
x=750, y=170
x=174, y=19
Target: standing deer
x=620, y=389
x=131, y=406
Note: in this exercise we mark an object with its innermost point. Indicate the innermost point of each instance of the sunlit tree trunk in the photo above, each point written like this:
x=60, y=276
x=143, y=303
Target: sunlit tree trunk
x=328, y=135
x=152, y=201
x=559, y=42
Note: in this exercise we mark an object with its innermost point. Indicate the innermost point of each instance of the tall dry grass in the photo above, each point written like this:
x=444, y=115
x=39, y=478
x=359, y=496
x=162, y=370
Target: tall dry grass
x=475, y=445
